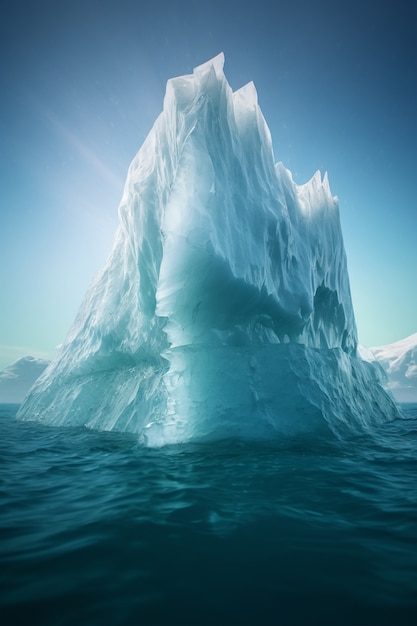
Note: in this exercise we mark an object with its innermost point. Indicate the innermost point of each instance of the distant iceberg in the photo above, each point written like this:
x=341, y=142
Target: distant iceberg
x=224, y=307
x=18, y=378
x=399, y=361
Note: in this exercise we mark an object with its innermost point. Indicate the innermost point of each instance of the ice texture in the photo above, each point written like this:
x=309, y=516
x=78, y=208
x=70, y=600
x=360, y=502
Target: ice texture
x=224, y=307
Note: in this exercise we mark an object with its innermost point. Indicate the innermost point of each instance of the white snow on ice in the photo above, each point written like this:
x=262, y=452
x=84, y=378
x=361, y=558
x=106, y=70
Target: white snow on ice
x=399, y=361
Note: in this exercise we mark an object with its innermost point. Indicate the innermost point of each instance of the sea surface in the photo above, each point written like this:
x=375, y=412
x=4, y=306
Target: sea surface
x=97, y=530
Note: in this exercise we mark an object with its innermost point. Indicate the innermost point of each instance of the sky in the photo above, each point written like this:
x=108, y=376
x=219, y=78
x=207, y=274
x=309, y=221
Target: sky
x=83, y=82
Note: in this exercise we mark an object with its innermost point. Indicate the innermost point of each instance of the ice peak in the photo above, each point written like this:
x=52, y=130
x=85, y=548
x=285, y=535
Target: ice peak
x=216, y=62
x=247, y=95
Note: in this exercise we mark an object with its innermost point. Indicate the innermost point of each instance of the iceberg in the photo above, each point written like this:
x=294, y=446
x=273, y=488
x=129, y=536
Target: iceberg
x=399, y=362
x=18, y=378
x=224, y=308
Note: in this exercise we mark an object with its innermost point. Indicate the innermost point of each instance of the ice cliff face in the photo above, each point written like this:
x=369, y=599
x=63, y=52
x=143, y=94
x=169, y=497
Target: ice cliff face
x=224, y=306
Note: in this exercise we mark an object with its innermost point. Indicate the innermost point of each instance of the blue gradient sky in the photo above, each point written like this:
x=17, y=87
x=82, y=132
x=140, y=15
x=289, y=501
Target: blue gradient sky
x=83, y=82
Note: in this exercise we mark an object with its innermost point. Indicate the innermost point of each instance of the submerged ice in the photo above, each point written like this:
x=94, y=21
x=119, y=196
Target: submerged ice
x=224, y=307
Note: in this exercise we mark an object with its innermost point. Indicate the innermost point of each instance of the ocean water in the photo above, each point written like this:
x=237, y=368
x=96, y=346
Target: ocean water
x=98, y=530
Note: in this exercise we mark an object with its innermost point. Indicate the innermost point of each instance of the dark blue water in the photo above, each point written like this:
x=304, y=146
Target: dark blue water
x=97, y=530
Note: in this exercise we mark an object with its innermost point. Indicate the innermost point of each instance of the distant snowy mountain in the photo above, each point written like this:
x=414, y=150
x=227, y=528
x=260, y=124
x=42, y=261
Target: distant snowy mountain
x=18, y=378
x=399, y=361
